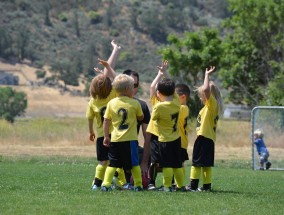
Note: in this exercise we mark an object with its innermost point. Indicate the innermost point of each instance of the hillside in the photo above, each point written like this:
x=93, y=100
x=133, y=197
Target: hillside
x=73, y=34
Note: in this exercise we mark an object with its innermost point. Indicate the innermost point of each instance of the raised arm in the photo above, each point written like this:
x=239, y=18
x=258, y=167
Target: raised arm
x=206, y=85
x=161, y=73
x=111, y=61
x=108, y=70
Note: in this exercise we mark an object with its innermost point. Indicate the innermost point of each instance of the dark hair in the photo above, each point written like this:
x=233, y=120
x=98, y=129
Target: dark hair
x=183, y=89
x=166, y=87
x=132, y=72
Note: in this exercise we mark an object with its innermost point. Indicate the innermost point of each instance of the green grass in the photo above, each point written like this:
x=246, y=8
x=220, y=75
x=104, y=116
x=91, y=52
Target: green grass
x=61, y=185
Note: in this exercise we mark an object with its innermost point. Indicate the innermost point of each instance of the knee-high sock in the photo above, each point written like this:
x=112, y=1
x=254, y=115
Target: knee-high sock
x=179, y=176
x=108, y=176
x=167, y=177
x=121, y=177
x=195, y=172
x=137, y=178
x=207, y=175
x=100, y=171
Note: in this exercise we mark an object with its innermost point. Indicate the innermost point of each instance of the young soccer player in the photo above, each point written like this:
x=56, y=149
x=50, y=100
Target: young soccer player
x=261, y=149
x=122, y=113
x=101, y=92
x=165, y=117
x=183, y=92
x=203, y=150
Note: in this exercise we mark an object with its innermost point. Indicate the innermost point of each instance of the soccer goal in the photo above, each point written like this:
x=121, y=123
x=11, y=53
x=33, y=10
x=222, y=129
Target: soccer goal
x=270, y=120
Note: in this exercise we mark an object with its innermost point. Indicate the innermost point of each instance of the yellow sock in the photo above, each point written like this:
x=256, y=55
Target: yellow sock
x=100, y=171
x=167, y=177
x=108, y=176
x=179, y=176
x=137, y=178
x=207, y=175
x=195, y=172
x=121, y=180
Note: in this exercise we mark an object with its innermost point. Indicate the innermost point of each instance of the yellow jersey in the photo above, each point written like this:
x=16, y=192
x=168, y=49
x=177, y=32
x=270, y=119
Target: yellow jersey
x=123, y=112
x=207, y=119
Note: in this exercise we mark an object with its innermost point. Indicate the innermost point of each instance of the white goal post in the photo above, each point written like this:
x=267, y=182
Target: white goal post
x=270, y=120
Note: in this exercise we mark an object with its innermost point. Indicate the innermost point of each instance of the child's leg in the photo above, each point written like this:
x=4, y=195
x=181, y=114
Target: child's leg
x=207, y=177
x=194, y=177
x=167, y=177
x=121, y=180
x=179, y=176
x=108, y=176
x=152, y=173
x=137, y=178
x=100, y=173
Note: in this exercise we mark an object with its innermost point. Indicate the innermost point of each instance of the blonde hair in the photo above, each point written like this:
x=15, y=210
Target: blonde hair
x=215, y=92
x=100, y=87
x=122, y=83
x=259, y=133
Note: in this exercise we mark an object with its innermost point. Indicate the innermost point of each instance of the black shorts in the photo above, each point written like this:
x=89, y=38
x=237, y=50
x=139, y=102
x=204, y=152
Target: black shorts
x=203, y=152
x=102, y=151
x=123, y=154
x=170, y=154
x=184, y=155
x=154, y=150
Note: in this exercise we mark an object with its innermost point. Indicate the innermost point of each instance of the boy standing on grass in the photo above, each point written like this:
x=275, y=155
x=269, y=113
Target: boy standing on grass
x=101, y=92
x=204, y=145
x=122, y=114
x=261, y=149
x=165, y=117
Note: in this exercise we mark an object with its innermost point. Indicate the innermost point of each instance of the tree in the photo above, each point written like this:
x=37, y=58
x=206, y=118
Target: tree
x=189, y=56
x=253, y=50
x=12, y=103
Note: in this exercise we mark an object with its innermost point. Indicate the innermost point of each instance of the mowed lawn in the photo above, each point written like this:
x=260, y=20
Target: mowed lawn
x=61, y=185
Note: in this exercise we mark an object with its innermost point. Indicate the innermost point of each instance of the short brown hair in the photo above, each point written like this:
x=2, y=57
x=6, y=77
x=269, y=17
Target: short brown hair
x=100, y=87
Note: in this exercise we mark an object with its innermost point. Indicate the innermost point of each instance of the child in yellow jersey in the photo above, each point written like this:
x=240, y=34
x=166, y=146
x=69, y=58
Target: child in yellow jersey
x=122, y=114
x=204, y=145
x=101, y=92
x=184, y=92
x=164, y=124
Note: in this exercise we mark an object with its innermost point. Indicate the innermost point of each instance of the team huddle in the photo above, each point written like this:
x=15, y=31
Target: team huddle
x=117, y=116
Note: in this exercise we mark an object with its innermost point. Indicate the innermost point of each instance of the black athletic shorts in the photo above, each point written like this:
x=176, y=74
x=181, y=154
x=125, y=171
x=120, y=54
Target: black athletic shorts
x=203, y=152
x=170, y=154
x=102, y=151
x=123, y=154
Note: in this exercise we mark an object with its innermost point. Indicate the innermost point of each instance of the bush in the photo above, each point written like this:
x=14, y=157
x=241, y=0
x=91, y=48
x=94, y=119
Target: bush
x=12, y=103
x=63, y=17
x=40, y=74
x=94, y=17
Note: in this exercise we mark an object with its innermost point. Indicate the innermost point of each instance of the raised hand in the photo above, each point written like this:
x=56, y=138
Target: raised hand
x=115, y=45
x=163, y=67
x=211, y=70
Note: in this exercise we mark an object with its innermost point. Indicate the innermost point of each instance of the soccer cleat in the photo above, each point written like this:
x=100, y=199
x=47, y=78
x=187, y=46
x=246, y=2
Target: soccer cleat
x=261, y=168
x=182, y=189
x=174, y=187
x=128, y=186
x=165, y=189
x=105, y=189
x=201, y=189
x=151, y=187
x=268, y=165
x=95, y=187
x=137, y=189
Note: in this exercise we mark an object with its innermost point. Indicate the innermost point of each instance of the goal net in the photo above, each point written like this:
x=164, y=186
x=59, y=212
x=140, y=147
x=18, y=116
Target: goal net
x=270, y=120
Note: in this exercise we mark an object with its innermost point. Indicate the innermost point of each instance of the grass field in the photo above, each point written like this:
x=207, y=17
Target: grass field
x=61, y=185
x=47, y=165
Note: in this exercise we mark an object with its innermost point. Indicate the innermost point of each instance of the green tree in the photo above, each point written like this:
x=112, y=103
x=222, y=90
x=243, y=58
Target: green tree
x=189, y=56
x=253, y=50
x=12, y=103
